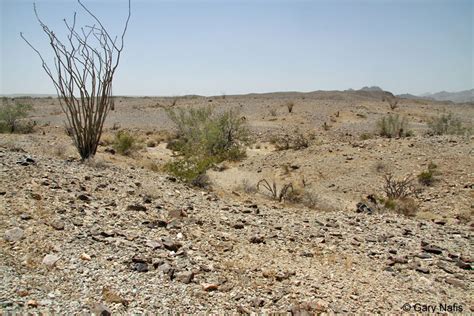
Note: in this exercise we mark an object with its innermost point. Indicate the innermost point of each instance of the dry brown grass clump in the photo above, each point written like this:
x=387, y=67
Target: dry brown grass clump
x=273, y=191
x=295, y=141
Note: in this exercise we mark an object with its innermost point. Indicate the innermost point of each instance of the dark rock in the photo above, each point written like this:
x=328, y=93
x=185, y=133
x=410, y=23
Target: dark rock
x=238, y=226
x=432, y=249
x=110, y=150
x=398, y=259
x=136, y=207
x=155, y=224
x=139, y=259
x=257, y=239
x=84, y=197
x=170, y=244
x=280, y=276
x=107, y=233
x=26, y=161
x=363, y=208
x=454, y=255
x=423, y=270
x=36, y=196
x=210, y=287
x=463, y=265
x=140, y=267
x=25, y=217
x=407, y=232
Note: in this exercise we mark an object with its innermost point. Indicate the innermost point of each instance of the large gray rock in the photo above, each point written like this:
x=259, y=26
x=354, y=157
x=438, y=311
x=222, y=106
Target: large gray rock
x=14, y=234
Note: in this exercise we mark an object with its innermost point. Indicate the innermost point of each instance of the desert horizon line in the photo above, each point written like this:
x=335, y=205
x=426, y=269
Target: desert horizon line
x=21, y=94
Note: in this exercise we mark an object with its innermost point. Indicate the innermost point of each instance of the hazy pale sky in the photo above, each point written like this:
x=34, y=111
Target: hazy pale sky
x=214, y=47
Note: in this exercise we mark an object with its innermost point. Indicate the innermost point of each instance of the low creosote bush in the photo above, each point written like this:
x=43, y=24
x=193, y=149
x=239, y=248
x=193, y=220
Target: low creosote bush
x=405, y=206
x=12, y=117
x=428, y=177
x=295, y=141
x=204, y=139
x=124, y=142
x=393, y=125
x=366, y=136
x=304, y=197
x=191, y=170
x=448, y=124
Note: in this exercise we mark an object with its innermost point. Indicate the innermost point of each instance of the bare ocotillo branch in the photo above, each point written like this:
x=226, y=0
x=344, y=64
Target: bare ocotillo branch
x=84, y=67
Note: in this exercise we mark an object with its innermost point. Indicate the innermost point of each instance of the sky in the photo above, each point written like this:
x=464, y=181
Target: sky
x=219, y=47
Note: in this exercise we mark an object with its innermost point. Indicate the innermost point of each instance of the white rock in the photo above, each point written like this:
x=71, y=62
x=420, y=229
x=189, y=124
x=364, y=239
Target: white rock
x=85, y=256
x=14, y=234
x=50, y=260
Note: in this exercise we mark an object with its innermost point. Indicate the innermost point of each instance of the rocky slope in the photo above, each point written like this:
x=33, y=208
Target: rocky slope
x=103, y=239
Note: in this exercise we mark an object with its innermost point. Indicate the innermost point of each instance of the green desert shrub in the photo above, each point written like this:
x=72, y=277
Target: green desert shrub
x=429, y=176
x=205, y=138
x=12, y=117
x=393, y=125
x=366, y=136
x=202, y=132
x=448, y=124
x=191, y=170
x=124, y=143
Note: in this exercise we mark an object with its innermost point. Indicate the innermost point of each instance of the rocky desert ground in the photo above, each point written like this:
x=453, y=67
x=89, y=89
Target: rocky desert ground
x=118, y=235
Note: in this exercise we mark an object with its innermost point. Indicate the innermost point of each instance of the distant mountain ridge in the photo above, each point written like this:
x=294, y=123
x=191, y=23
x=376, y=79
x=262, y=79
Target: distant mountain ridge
x=28, y=95
x=372, y=91
x=461, y=96
x=458, y=97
